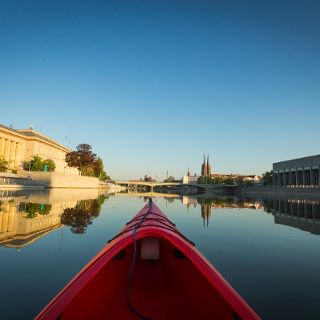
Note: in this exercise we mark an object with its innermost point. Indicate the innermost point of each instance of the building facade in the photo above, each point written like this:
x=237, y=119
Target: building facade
x=302, y=172
x=189, y=178
x=17, y=146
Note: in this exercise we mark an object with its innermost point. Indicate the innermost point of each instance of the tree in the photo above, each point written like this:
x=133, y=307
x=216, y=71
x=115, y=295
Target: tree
x=169, y=179
x=267, y=177
x=3, y=165
x=83, y=159
x=49, y=164
x=38, y=164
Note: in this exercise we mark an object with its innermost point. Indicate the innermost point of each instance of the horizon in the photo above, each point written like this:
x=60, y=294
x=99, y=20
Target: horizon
x=153, y=86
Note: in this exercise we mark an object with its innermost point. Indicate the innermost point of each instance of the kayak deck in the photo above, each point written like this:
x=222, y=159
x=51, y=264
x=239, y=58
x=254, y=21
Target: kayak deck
x=167, y=279
x=169, y=288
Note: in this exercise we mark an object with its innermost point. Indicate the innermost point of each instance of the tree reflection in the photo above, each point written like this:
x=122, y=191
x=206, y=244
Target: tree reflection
x=82, y=215
x=33, y=209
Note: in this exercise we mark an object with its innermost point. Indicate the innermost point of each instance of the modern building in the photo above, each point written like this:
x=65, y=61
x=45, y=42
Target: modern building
x=302, y=172
x=17, y=146
x=206, y=167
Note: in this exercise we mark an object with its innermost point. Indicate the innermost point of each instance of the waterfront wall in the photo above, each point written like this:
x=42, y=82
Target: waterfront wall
x=273, y=191
x=63, y=180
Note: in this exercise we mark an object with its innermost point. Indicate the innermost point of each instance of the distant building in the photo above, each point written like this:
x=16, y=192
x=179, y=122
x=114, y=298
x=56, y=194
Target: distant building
x=17, y=146
x=206, y=167
x=302, y=172
x=252, y=178
x=189, y=178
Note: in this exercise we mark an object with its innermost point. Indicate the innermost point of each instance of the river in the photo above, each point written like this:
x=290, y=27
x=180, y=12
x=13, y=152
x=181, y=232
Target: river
x=268, y=250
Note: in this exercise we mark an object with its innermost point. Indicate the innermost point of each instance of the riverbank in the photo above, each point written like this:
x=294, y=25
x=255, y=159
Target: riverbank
x=49, y=180
x=265, y=192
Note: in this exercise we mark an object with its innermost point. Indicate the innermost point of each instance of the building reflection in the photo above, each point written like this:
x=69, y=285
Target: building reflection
x=303, y=214
x=206, y=213
x=208, y=204
x=26, y=217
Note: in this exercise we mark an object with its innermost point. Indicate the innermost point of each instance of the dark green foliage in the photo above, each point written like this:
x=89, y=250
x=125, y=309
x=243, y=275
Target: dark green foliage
x=215, y=180
x=267, y=177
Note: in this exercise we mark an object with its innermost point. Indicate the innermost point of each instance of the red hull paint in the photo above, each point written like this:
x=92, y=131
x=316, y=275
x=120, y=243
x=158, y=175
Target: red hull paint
x=181, y=284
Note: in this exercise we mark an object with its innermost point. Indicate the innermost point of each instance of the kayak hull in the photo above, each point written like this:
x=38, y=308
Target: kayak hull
x=170, y=279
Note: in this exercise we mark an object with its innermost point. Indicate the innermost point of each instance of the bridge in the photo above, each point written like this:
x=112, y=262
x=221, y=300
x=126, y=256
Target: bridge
x=147, y=183
x=232, y=189
x=148, y=194
x=150, y=184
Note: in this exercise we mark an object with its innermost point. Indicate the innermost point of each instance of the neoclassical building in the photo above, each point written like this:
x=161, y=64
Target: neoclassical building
x=18, y=145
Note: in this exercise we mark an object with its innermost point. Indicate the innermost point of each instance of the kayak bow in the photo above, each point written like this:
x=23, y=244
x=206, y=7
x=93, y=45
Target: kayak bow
x=148, y=271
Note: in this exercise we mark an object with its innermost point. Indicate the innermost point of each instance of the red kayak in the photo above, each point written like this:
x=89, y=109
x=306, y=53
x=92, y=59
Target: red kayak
x=148, y=271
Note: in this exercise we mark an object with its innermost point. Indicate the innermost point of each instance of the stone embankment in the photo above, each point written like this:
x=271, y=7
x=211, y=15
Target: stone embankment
x=271, y=192
x=41, y=180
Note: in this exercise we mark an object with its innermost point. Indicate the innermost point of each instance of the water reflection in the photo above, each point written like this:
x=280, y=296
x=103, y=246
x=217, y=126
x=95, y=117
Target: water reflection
x=79, y=217
x=208, y=204
x=298, y=213
x=26, y=217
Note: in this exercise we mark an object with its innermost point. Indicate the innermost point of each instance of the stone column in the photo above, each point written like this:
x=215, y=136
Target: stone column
x=303, y=177
x=12, y=153
x=275, y=179
x=297, y=179
x=7, y=151
x=312, y=177
x=5, y=216
x=17, y=159
x=2, y=146
x=12, y=211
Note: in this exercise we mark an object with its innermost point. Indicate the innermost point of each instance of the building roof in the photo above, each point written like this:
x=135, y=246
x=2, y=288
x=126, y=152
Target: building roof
x=34, y=134
x=30, y=134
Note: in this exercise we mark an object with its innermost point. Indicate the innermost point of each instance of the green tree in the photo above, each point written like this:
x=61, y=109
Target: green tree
x=50, y=165
x=3, y=165
x=36, y=164
x=267, y=177
x=169, y=179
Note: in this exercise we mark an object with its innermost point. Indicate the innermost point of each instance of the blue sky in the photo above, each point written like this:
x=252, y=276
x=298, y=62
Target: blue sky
x=152, y=85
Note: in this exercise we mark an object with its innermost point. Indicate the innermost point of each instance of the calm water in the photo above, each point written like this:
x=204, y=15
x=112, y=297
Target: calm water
x=269, y=251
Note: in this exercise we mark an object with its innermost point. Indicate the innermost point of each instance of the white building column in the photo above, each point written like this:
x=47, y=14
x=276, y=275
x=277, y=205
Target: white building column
x=7, y=151
x=12, y=153
x=2, y=146
x=17, y=160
